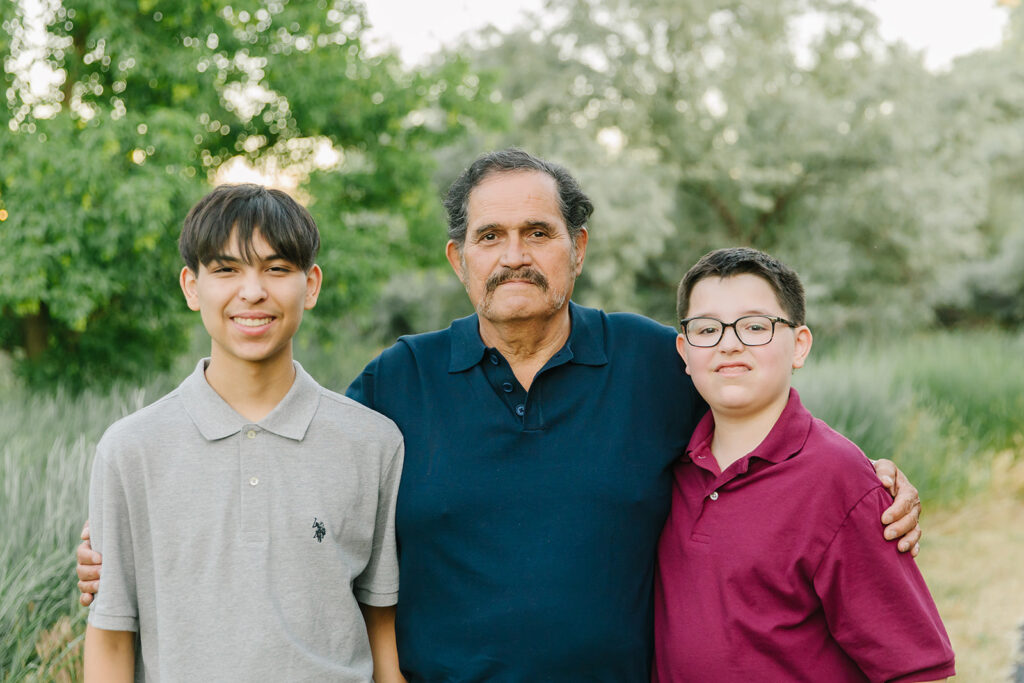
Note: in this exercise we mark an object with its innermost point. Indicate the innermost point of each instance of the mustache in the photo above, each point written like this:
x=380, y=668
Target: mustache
x=528, y=274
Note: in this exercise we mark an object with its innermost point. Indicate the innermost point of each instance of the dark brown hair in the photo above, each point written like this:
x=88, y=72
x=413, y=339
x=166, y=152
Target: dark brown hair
x=742, y=260
x=243, y=209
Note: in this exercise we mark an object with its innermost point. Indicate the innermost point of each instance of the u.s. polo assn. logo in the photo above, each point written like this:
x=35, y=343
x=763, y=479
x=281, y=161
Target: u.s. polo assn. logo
x=320, y=530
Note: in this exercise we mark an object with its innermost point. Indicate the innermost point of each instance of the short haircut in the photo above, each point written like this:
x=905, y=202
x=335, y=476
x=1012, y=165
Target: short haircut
x=576, y=207
x=282, y=222
x=745, y=261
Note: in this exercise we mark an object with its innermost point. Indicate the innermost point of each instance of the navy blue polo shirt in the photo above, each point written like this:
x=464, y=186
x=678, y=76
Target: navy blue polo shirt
x=528, y=522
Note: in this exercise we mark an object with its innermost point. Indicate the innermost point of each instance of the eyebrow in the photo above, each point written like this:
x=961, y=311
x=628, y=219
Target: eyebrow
x=527, y=223
x=741, y=315
x=227, y=258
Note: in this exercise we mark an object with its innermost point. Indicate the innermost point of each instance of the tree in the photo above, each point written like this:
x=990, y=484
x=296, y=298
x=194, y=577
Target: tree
x=789, y=125
x=147, y=101
x=985, y=89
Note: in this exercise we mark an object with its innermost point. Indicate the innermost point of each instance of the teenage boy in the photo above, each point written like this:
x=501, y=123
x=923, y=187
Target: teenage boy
x=746, y=589
x=246, y=519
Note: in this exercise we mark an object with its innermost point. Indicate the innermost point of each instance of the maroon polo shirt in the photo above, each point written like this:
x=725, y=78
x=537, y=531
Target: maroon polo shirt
x=776, y=568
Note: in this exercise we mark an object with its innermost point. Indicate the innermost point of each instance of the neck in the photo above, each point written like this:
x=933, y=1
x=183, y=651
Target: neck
x=527, y=344
x=251, y=389
x=737, y=434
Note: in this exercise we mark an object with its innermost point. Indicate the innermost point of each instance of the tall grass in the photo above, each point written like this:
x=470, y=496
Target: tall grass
x=46, y=448
x=942, y=406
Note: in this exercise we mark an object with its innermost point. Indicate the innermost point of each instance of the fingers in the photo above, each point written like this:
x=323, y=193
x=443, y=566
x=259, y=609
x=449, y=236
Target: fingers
x=87, y=589
x=903, y=515
x=906, y=512
x=906, y=502
x=887, y=473
x=88, y=568
x=87, y=556
x=911, y=542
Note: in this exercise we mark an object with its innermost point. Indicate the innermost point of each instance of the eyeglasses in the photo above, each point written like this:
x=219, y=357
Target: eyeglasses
x=751, y=330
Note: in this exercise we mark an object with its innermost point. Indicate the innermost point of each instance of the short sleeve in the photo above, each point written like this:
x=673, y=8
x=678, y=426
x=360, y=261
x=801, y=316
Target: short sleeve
x=378, y=584
x=116, y=605
x=876, y=603
x=361, y=388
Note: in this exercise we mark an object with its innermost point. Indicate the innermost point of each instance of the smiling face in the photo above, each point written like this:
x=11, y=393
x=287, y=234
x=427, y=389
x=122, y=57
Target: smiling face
x=742, y=381
x=251, y=308
x=518, y=262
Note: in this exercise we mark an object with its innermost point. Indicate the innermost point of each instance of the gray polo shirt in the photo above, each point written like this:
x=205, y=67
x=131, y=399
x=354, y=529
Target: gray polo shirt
x=238, y=550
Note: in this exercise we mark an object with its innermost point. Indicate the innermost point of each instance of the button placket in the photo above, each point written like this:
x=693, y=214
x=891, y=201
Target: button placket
x=499, y=376
x=255, y=501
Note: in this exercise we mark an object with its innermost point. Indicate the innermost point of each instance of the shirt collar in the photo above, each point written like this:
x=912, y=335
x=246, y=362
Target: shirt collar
x=585, y=346
x=215, y=419
x=786, y=438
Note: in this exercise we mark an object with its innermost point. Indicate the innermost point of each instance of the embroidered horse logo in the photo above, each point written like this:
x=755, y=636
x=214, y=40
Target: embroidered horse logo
x=320, y=532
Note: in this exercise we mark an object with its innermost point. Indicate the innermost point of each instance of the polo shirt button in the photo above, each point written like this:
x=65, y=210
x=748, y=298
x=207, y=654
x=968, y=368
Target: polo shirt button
x=251, y=433
x=494, y=359
x=714, y=495
x=254, y=481
x=507, y=387
x=520, y=410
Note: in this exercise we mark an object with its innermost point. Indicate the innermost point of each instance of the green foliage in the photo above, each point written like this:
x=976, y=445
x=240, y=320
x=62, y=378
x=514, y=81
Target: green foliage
x=967, y=378
x=149, y=100
x=939, y=405
x=90, y=262
x=985, y=90
x=788, y=126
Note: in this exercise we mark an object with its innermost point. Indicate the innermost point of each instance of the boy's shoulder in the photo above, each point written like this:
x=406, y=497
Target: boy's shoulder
x=829, y=468
x=841, y=467
x=151, y=422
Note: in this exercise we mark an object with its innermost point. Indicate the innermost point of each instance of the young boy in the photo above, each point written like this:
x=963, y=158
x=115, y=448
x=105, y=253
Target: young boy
x=282, y=490
x=770, y=566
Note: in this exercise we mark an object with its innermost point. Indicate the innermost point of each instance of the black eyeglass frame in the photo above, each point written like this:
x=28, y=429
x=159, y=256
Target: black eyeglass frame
x=772, y=318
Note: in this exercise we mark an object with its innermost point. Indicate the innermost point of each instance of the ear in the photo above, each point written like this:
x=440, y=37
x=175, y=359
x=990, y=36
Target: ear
x=802, y=346
x=189, y=287
x=581, y=249
x=454, y=254
x=682, y=348
x=314, y=279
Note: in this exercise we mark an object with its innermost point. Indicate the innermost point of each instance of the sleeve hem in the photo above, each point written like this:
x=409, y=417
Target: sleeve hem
x=376, y=599
x=108, y=622
x=944, y=670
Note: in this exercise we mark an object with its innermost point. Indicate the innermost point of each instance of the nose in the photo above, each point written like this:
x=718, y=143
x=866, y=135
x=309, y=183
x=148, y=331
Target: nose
x=252, y=289
x=730, y=341
x=515, y=253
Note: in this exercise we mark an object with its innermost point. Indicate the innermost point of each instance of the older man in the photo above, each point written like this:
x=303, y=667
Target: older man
x=539, y=437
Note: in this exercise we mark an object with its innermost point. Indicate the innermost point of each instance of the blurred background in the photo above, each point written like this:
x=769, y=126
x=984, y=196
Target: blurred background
x=876, y=147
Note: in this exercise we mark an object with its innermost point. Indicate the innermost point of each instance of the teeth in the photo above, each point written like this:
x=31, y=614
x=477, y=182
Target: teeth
x=252, y=322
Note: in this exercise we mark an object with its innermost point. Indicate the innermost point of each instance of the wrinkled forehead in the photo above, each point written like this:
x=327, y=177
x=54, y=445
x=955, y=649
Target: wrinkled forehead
x=509, y=197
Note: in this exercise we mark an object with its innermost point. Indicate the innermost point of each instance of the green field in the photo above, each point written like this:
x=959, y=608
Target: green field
x=945, y=406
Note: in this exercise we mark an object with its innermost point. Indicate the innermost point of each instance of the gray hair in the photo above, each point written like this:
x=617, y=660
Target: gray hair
x=576, y=207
